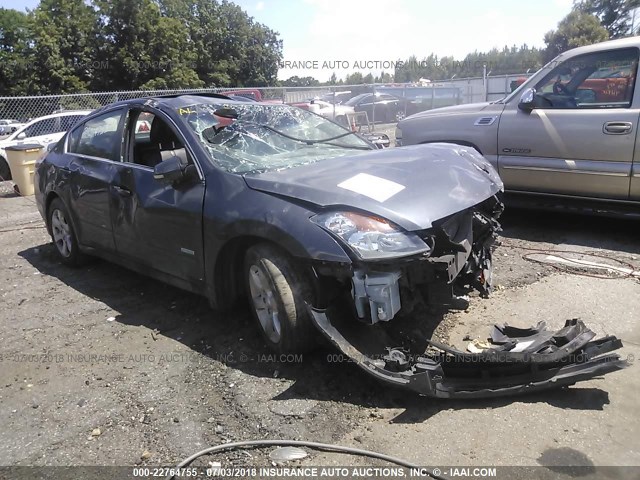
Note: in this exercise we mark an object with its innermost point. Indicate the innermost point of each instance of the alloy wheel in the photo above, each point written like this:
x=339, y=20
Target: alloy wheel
x=61, y=233
x=265, y=302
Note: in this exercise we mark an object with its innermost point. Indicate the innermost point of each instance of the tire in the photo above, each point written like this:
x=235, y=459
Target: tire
x=63, y=235
x=5, y=171
x=277, y=290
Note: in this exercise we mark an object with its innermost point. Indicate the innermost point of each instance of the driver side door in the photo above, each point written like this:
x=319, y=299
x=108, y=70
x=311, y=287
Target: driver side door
x=580, y=138
x=157, y=224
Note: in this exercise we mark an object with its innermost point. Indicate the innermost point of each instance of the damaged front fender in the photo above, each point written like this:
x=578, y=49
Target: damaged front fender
x=526, y=361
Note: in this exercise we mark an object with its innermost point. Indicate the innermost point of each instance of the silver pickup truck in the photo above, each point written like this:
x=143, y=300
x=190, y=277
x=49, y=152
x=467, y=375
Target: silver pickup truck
x=568, y=133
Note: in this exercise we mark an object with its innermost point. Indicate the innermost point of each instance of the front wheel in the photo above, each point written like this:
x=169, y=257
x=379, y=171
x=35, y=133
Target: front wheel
x=63, y=235
x=278, y=290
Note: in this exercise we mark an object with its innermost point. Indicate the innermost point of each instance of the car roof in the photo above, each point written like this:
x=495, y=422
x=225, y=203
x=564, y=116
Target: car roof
x=599, y=47
x=177, y=100
x=182, y=100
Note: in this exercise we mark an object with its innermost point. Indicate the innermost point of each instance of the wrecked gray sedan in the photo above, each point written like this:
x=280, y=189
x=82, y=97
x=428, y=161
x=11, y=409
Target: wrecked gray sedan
x=311, y=223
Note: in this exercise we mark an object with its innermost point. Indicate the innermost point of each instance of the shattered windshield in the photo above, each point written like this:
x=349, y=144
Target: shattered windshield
x=248, y=138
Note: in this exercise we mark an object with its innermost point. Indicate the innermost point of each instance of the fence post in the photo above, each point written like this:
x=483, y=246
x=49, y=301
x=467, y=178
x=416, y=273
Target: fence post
x=334, y=103
x=484, y=82
x=404, y=95
x=373, y=109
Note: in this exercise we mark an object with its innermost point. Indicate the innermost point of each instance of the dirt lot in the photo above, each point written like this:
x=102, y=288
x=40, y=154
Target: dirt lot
x=159, y=374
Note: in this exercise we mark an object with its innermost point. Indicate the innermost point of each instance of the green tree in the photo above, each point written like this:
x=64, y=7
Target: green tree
x=142, y=48
x=62, y=45
x=577, y=29
x=14, y=39
x=354, y=79
x=231, y=49
x=614, y=15
x=385, y=77
x=296, y=81
x=74, y=45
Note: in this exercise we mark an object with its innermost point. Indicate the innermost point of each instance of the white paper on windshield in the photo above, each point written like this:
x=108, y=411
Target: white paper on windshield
x=379, y=189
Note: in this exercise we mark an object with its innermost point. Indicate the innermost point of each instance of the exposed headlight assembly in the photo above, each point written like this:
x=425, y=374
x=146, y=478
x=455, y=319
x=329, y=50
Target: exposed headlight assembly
x=371, y=238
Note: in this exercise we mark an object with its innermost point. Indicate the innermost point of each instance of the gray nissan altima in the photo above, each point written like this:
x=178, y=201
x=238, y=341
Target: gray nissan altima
x=280, y=206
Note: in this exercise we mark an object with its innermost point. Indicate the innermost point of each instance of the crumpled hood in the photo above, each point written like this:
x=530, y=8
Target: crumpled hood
x=410, y=186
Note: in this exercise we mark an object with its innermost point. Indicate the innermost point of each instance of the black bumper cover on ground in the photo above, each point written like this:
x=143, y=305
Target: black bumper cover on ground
x=524, y=361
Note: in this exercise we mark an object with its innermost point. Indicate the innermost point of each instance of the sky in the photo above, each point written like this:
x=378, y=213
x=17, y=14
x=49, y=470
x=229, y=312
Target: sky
x=326, y=36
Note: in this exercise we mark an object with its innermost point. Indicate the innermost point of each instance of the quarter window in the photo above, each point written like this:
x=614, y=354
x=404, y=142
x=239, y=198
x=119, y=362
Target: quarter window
x=99, y=137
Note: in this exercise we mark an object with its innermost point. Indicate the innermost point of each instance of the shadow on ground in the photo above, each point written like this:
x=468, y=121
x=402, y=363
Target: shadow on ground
x=568, y=230
x=232, y=338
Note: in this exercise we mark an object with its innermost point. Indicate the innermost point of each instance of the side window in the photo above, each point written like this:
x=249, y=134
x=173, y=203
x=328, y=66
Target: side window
x=594, y=80
x=42, y=127
x=99, y=137
x=152, y=135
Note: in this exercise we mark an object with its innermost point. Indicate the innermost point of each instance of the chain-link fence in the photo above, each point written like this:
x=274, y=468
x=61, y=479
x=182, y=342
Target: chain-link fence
x=381, y=103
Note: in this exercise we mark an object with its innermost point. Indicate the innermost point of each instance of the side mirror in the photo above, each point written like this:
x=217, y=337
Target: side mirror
x=527, y=100
x=21, y=136
x=172, y=167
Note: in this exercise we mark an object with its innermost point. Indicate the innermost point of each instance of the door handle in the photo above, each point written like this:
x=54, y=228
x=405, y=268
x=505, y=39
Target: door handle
x=617, y=128
x=123, y=192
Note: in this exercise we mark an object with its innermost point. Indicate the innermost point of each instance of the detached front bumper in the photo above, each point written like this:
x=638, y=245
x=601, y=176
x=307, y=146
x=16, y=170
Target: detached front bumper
x=526, y=361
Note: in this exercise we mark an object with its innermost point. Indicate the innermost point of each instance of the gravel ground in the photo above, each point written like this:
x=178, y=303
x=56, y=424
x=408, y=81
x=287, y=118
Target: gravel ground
x=101, y=366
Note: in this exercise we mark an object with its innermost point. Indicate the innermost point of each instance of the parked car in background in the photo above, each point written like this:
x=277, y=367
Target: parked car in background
x=43, y=130
x=8, y=126
x=419, y=98
x=241, y=98
x=337, y=113
x=273, y=204
x=250, y=93
x=380, y=107
x=565, y=137
x=337, y=98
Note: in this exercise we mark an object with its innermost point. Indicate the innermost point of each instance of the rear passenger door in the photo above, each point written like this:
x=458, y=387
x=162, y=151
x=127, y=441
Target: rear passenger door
x=95, y=147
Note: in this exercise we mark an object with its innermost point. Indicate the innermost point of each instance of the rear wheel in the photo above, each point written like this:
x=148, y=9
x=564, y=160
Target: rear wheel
x=277, y=291
x=63, y=235
x=5, y=171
